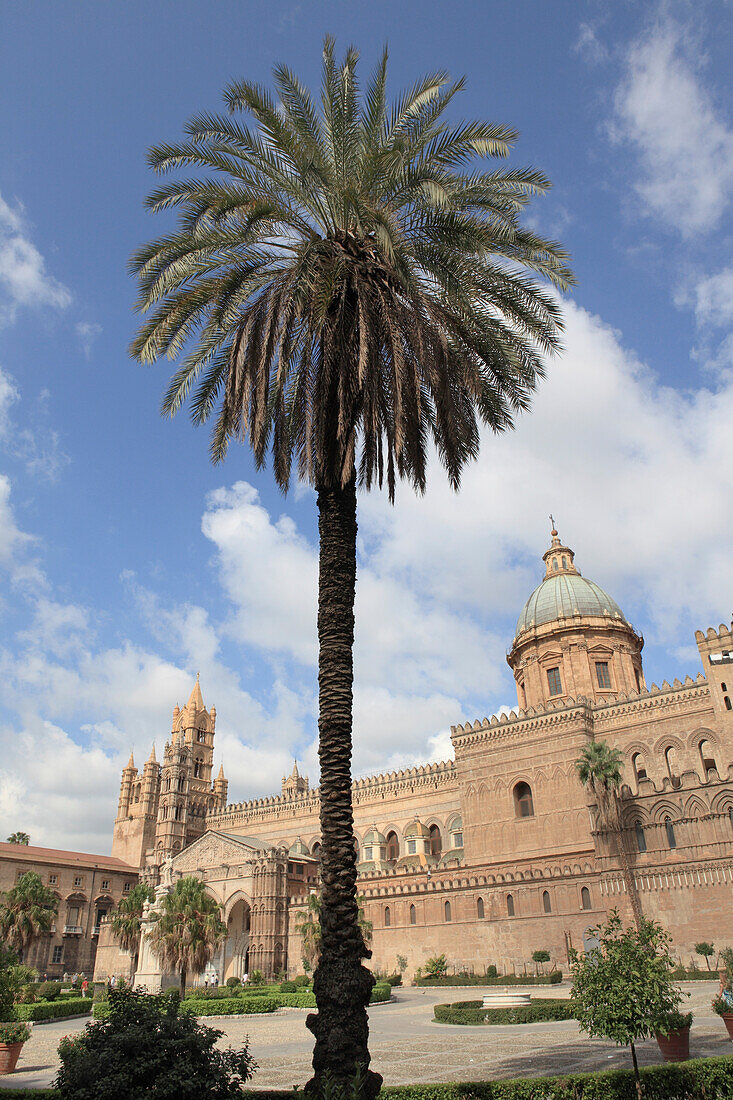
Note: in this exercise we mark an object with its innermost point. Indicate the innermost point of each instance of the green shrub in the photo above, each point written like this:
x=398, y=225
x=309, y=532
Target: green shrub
x=491, y=971
x=288, y=987
x=436, y=966
x=48, y=991
x=231, y=982
x=394, y=979
x=682, y=974
x=54, y=1010
x=473, y=1012
x=302, y=981
x=146, y=1047
x=257, y=977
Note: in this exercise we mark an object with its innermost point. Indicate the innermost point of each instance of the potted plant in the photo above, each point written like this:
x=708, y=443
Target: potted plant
x=723, y=1005
x=12, y=1037
x=673, y=1036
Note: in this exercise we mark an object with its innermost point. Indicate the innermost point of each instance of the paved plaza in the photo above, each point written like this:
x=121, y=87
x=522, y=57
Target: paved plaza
x=408, y=1046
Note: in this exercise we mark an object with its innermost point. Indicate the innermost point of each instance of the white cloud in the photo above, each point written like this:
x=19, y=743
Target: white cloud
x=713, y=299
x=684, y=144
x=24, y=280
x=589, y=46
x=38, y=448
x=638, y=475
x=87, y=331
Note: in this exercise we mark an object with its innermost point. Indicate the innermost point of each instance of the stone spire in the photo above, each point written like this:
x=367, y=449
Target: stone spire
x=130, y=763
x=196, y=699
x=152, y=759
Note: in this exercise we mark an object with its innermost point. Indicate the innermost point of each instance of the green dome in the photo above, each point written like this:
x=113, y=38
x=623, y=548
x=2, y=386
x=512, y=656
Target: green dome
x=563, y=596
x=298, y=848
x=374, y=837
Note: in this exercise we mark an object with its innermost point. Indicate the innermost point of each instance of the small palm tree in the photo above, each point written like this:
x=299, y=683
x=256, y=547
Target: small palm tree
x=19, y=838
x=599, y=770
x=308, y=924
x=344, y=287
x=189, y=930
x=26, y=912
x=127, y=918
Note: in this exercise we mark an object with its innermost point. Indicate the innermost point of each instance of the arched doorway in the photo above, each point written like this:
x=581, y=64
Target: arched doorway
x=235, y=958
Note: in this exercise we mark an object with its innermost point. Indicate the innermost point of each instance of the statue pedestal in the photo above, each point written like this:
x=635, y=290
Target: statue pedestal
x=150, y=974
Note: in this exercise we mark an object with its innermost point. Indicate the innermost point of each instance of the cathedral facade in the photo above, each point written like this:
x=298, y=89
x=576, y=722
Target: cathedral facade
x=499, y=852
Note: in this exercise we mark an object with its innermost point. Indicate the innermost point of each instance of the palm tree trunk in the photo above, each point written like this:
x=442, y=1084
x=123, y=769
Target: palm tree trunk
x=183, y=982
x=627, y=874
x=341, y=984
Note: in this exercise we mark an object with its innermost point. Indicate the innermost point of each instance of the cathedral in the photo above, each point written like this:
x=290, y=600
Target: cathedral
x=495, y=854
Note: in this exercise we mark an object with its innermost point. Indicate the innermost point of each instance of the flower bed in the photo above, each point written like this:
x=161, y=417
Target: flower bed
x=480, y=979
x=53, y=1010
x=473, y=1012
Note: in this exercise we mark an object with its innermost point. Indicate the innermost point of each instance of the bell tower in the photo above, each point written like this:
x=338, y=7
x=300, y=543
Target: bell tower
x=187, y=789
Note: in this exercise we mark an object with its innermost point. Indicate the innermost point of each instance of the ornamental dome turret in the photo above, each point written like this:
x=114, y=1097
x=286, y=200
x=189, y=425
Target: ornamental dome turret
x=572, y=639
x=564, y=593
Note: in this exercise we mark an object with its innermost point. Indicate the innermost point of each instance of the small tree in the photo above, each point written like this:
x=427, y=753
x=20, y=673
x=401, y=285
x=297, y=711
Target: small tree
x=539, y=957
x=308, y=924
x=19, y=838
x=707, y=950
x=127, y=919
x=145, y=1048
x=436, y=967
x=189, y=930
x=623, y=989
x=402, y=963
x=26, y=912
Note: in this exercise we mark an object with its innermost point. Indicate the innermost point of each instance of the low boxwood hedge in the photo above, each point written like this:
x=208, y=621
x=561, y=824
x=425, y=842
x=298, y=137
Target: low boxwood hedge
x=683, y=975
x=52, y=1010
x=473, y=1012
x=231, y=1006
x=245, y=1004
x=481, y=979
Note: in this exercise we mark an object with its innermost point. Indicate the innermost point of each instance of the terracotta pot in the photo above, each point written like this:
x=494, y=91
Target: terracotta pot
x=9, y=1055
x=675, y=1047
x=727, y=1019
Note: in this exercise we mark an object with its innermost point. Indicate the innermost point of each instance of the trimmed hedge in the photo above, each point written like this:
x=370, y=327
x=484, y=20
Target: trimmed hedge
x=52, y=1010
x=507, y=979
x=700, y=1079
x=473, y=1012
x=245, y=1005
x=230, y=1006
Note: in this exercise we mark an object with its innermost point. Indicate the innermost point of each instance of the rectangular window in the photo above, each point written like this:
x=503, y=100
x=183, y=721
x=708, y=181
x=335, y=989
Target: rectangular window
x=602, y=674
x=105, y=884
x=367, y=853
x=126, y=888
x=458, y=840
x=411, y=847
x=52, y=880
x=77, y=881
x=553, y=681
x=58, y=953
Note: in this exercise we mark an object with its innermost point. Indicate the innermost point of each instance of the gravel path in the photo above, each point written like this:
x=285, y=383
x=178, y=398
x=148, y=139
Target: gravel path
x=408, y=1046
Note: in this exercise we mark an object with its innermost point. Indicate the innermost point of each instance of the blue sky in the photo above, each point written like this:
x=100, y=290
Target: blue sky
x=128, y=563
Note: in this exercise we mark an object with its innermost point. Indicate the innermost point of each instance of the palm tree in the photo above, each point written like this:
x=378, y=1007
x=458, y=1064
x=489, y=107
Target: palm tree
x=599, y=769
x=26, y=912
x=343, y=290
x=19, y=838
x=127, y=919
x=189, y=930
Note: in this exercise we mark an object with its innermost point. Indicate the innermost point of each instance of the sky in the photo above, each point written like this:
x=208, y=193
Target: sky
x=128, y=563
